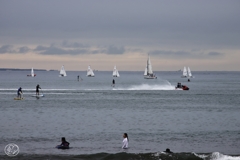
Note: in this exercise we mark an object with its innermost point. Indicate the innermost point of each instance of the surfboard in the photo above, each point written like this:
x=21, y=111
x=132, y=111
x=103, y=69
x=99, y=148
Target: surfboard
x=40, y=95
x=17, y=98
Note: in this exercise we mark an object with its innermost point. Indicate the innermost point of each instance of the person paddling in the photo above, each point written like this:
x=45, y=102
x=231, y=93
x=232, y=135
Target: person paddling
x=113, y=83
x=37, y=89
x=19, y=92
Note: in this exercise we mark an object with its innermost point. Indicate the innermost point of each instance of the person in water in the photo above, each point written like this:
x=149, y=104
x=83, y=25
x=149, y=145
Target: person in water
x=168, y=151
x=64, y=144
x=125, y=141
x=19, y=92
x=78, y=77
x=188, y=80
x=37, y=89
x=113, y=83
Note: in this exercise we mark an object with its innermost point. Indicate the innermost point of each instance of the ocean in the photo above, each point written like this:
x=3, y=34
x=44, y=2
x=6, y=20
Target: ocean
x=202, y=123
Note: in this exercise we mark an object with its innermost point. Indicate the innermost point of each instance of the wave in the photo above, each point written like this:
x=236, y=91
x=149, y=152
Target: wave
x=128, y=156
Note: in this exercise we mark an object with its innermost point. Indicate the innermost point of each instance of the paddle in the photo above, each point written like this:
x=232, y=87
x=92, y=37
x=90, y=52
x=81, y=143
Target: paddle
x=42, y=92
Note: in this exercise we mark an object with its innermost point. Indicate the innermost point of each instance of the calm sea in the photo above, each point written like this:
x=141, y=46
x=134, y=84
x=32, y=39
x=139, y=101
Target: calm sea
x=202, y=123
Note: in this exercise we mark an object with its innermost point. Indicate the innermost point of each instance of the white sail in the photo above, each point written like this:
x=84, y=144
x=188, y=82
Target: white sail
x=189, y=73
x=184, y=72
x=148, y=73
x=32, y=73
x=90, y=72
x=145, y=72
x=62, y=72
x=115, y=72
x=149, y=66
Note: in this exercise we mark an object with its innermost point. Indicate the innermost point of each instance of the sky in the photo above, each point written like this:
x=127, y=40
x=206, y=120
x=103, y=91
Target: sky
x=46, y=34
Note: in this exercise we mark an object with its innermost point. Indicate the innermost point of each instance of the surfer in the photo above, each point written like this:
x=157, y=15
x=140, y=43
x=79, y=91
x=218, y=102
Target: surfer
x=37, y=89
x=19, y=92
x=78, y=77
x=188, y=80
x=125, y=141
x=64, y=144
x=113, y=83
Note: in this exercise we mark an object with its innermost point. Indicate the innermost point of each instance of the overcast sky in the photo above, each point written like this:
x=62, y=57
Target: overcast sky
x=201, y=34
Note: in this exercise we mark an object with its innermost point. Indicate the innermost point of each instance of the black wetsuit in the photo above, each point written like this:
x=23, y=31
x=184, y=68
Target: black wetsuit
x=37, y=89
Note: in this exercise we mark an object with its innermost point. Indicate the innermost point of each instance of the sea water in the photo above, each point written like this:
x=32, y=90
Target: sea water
x=202, y=123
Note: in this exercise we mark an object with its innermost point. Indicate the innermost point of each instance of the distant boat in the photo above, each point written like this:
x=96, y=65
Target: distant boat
x=115, y=72
x=62, y=72
x=90, y=72
x=187, y=73
x=32, y=74
x=148, y=73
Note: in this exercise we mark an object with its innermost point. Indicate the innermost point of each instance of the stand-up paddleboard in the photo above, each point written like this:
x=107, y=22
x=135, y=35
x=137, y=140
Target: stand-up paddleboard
x=18, y=98
x=40, y=95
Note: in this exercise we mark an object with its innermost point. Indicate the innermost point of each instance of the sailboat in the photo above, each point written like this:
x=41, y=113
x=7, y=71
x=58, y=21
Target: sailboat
x=32, y=74
x=189, y=73
x=148, y=73
x=185, y=74
x=62, y=72
x=115, y=72
x=90, y=72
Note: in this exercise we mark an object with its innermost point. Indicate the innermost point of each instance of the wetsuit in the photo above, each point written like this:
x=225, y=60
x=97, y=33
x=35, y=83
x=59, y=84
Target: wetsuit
x=37, y=89
x=19, y=92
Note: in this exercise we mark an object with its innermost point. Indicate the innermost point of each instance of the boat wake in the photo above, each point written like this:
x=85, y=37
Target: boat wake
x=164, y=86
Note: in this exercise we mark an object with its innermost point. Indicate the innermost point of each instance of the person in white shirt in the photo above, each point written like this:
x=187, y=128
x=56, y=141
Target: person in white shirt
x=125, y=141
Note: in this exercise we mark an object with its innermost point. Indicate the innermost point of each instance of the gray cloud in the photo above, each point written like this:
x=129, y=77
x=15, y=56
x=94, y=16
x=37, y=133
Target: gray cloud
x=7, y=49
x=215, y=54
x=24, y=49
x=52, y=50
x=184, y=54
x=66, y=44
x=203, y=24
x=115, y=50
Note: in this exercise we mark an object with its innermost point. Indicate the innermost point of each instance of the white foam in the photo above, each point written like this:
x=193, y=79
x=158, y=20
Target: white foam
x=217, y=156
x=148, y=87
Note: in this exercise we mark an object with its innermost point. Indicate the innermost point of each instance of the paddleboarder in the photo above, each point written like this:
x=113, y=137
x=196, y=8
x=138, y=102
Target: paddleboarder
x=37, y=89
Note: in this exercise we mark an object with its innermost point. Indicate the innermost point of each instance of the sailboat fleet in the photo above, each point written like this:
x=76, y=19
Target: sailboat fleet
x=187, y=73
x=148, y=73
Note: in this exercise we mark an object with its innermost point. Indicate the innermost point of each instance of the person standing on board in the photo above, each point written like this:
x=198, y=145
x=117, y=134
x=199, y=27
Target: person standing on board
x=125, y=141
x=37, y=89
x=113, y=83
x=19, y=92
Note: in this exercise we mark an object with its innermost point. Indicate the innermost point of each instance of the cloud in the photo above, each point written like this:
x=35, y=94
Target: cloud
x=115, y=50
x=66, y=44
x=177, y=54
x=215, y=54
x=185, y=54
x=53, y=50
x=7, y=49
x=24, y=49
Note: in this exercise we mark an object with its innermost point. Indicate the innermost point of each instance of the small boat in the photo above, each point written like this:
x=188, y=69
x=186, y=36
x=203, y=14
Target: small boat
x=115, y=72
x=181, y=87
x=148, y=73
x=62, y=72
x=32, y=74
x=187, y=73
x=90, y=72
